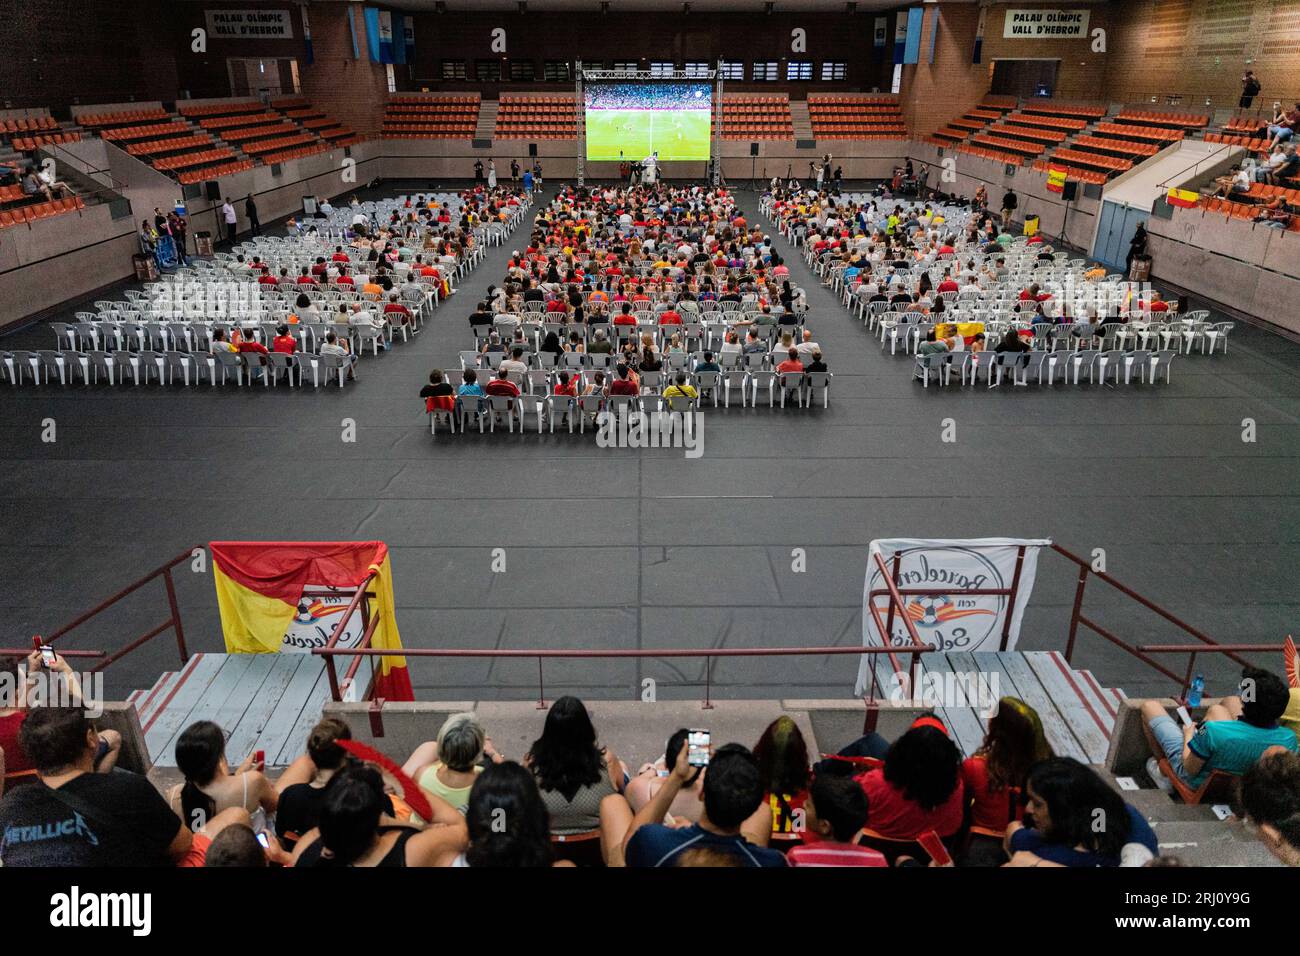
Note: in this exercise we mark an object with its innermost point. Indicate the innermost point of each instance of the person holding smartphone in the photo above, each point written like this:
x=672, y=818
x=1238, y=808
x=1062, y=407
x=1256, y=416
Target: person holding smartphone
x=735, y=821
x=686, y=806
x=14, y=761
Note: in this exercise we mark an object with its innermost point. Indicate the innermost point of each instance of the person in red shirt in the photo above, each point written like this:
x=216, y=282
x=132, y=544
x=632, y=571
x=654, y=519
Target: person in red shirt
x=267, y=279
x=320, y=268
x=306, y=278
x=566, y=384
x=834, y=812
x=501, y=385
x=791, y=364
x=919, y=789
x=949, y=284
x=396, y=313
x=343, y=278
x=994, y=777
x=249, y=344
x=623, y=383
x=625, y=317
x=670, y=317
x=1157, y=304
x=556, y=305
x=340, y=255
x=283, y=341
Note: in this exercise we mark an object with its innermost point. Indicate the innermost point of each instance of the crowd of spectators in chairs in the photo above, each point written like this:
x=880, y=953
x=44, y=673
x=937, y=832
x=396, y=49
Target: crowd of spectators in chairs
x=636, y=292
x=458, y=801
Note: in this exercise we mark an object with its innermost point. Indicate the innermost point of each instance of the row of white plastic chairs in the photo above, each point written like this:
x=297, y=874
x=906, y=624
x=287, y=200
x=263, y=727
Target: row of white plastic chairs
x=1100, y=365
x=537, y=397
x=118, y=366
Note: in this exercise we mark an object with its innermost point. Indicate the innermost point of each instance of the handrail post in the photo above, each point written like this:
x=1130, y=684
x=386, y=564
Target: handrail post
x=1011, y=599
x=333, y=676
x=541, y=688
x=708, y=683
x=176, y=615
x=1074, y=614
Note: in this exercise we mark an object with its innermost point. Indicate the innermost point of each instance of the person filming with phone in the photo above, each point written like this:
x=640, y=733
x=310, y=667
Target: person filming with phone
x=735, y=820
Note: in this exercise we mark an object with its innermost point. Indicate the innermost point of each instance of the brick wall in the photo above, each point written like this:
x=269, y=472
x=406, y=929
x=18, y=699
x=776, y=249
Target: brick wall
x=1199, y=48
x=353, y=91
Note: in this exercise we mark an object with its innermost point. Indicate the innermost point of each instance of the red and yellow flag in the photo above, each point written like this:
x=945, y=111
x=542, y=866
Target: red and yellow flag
x=259, y=585
x=1056, y=176
x=1186, y=198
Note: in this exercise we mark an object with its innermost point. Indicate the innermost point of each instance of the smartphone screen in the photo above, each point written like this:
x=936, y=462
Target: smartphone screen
x=47, y=655
x=697, y=748
x=261, y=838
x=1184, y=716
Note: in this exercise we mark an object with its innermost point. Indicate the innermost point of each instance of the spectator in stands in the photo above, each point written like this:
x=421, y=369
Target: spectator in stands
x=643, y=787
x=1269, y=171
x=1284, y=130
x=1073, y=818
x=919, y=788
x=573, y=772
x=33, y=186
x=1233, y=734
x=1270, y=794
x=283, y=341
x=1012, y=342
x=836, y=809
x=332, y=346
x=932, y=345
x=681, y=388
x=1249, y=89
x=447, y=767
x=14, y=762
x=1274, y=213
x=79, y=817
x=502, y=385
x=782, y=758
x=994, y=777
x=231, y=220
x=302, y=785
x=734, y=821
x=506, y=823
x=356, y=828
x=210, y=786
x=1238, y=182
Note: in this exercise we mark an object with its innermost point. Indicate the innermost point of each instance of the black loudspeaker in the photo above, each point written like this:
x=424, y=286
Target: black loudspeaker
x=213, y=189
x=753, y=149
x=532, y=149
x=1069, y=190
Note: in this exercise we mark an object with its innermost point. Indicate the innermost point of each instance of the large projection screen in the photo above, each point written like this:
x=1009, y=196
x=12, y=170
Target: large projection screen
x=631, y=120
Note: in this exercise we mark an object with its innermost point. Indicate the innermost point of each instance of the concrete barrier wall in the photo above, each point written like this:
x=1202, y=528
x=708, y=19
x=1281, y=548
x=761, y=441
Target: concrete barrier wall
x=1248, y=267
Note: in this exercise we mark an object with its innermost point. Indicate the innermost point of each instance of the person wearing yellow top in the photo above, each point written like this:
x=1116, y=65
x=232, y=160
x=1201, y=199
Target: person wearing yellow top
x=372, y=288
x=681, y=388
x=448, y=767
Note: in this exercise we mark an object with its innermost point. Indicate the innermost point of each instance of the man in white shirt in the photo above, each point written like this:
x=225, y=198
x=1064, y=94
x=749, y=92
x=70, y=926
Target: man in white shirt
x=231, y=220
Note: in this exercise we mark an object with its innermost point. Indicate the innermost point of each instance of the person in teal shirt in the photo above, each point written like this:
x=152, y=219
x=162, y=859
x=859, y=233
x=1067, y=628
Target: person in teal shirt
x=1234, y=734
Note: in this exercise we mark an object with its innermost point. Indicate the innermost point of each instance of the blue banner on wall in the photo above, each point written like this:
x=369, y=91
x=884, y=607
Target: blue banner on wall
x=915, y=21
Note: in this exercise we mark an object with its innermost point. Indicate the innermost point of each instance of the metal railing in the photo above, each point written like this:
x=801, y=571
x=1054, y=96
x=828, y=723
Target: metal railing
x=172, y=623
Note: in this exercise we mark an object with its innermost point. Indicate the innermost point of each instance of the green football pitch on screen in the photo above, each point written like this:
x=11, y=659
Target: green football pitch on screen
x=635, y=134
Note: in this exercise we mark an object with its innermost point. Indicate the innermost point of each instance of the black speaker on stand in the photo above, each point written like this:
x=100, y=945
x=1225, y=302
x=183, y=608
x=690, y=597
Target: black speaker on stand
x=1069, y=190
x=532, y=150
x=213, y=189
x=753, y=167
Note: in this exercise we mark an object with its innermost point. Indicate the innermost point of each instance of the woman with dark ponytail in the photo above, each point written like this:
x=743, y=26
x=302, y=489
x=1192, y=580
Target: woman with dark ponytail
x=210, y=787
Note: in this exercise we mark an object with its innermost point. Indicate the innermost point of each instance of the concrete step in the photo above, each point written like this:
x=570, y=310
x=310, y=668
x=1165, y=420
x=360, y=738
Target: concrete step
x=800, y=119
x=487, y=119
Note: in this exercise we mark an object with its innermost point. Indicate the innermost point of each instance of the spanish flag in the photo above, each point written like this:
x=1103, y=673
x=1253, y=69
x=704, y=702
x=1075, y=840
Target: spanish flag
x=1056, y=177
x=1185, y=198
x=259, y=585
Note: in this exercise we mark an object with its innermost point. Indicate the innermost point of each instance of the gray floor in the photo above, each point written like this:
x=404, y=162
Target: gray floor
x=628, y=549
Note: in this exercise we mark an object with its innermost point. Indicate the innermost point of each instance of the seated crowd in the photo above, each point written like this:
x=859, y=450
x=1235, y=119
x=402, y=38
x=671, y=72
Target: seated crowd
x=459, y=802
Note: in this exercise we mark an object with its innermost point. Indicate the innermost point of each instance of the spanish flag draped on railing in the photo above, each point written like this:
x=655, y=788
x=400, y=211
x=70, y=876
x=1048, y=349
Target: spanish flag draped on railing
x=1056, y=177
x=1186, y=198
x=259, y=585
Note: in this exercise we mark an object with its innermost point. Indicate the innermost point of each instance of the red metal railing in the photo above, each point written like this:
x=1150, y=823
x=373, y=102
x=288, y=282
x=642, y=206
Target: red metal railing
x=329, y=653
x=172, y=623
